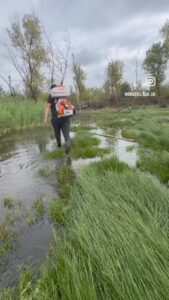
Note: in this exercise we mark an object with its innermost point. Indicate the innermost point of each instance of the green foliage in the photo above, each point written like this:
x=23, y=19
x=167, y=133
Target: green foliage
x=125, y=88
x=79, y=77
x=155, y=64
x=26, y=39
x=114, y=79
x=165, y=35
x=165, y=91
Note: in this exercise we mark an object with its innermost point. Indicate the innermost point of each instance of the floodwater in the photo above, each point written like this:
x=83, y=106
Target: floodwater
x=21, y=157
x=125, y=151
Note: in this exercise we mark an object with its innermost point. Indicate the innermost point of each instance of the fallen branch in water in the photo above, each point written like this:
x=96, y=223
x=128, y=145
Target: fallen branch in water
x=115, y=137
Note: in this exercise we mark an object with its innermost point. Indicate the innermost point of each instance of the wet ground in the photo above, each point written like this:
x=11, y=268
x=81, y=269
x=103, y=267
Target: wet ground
x=21, y=157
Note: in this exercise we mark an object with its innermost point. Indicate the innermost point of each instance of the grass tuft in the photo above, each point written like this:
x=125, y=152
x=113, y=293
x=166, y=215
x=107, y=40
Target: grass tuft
x=84, y=145
x=45, y=172
x=39, y=208
x=56, y=154
x=57, y=209
x=4, y=232
x=9, y=202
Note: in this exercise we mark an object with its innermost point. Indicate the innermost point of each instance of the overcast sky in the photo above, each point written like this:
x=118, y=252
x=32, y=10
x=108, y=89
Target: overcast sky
x=99, y=30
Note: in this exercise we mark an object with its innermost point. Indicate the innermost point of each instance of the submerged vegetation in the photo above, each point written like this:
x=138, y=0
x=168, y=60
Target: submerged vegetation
x=45, y=172
x=9, y=202
x=38, y=207
x=4, y=232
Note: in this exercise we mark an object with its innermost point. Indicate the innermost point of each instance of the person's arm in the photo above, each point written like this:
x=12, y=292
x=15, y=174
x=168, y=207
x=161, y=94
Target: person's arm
x=47, y=110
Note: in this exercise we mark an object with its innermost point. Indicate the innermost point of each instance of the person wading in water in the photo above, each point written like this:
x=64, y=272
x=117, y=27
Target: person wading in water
x=61, y=111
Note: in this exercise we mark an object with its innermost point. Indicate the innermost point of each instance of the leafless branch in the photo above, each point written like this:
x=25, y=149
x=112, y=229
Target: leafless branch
x=9, y=84
x=58, y=58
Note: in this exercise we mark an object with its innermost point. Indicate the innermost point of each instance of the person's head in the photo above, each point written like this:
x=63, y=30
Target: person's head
x=56, y=85
x=53, y=86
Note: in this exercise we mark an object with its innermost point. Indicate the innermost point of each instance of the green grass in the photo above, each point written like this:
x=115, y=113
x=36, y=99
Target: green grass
x=109, y=164
x=18, y=114
x=9, y=218
x=88, y=152
x=65, y=178
x=84, y=138
x=57, y=211
x=30, y=220
x=55, y=154
x=65, y=175
x=5, y=248
x=155, y=162
x=9, y=202
x=148, y=126
x=4, y=232
x=116, y=241
x=44, y=172
x=38, y=207
x=85, y=145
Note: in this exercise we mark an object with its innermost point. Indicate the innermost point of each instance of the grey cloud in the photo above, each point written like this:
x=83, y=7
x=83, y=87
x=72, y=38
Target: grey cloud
x=99, y=29
x=94, y=14
x=88, y=57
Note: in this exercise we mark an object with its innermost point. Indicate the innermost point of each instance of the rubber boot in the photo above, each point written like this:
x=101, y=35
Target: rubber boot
x=67, y=147
x=59, y=145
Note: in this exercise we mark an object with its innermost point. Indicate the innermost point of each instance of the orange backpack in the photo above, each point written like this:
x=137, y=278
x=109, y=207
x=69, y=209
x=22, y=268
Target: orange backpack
x=64, y=108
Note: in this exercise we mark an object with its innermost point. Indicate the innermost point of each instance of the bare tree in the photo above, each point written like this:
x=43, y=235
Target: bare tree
x=58, y=59
x=8, y=81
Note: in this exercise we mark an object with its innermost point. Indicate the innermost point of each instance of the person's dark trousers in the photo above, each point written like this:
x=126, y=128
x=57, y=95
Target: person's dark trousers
x=62, y=124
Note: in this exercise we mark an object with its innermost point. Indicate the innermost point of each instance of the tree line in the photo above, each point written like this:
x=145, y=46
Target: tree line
x=39, y=62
